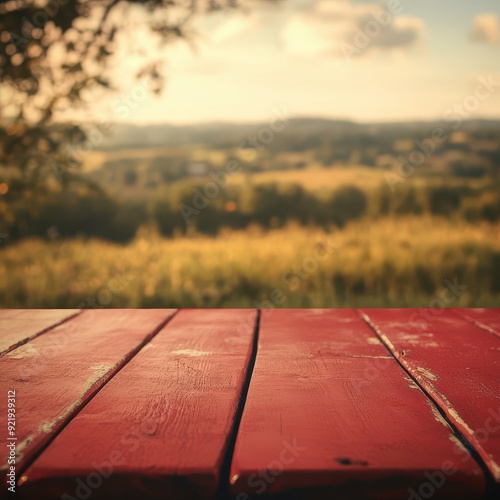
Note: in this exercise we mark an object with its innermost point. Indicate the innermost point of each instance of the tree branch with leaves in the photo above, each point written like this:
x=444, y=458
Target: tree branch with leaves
x=54, y=54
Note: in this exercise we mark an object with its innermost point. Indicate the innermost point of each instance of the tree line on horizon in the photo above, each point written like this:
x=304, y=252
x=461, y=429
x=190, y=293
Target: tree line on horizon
x=237, y=207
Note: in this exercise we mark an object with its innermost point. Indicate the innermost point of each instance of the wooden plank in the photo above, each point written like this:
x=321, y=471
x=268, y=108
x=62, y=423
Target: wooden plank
x=17, y=326
x=488, y=319
x=161, y=425
x=330, y=414
x=55, y=374
x=457, y=363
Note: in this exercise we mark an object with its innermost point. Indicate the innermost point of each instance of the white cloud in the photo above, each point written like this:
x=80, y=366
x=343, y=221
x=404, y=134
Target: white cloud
x=486, y=29
x=235, y=26
x=250, y=17
x=342, y=28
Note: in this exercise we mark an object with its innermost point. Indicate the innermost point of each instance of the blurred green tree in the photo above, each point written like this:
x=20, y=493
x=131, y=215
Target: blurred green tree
x=347, y=203
x=53, y=55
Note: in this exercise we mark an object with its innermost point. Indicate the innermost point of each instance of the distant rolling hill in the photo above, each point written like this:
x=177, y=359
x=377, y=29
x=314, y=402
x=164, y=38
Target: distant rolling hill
x=224, y=135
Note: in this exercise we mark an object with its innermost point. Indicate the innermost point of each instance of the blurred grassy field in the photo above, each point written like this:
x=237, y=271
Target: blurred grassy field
x=314, y=178
x=384, y=263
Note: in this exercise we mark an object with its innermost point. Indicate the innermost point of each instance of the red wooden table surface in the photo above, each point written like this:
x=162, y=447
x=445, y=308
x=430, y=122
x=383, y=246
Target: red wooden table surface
x=187, y=404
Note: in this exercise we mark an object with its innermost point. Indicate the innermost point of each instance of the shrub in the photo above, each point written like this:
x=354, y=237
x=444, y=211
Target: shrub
x=348, y=203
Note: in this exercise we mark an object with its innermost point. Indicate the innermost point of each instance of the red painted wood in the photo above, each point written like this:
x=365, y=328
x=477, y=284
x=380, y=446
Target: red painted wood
x=457, y=363
x=58, y=372
x=330, y=414
x=164, y=420
x=17, y=326
x=488, y=319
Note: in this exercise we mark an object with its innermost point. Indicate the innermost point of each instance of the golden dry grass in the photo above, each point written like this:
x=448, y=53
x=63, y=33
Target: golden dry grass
x=391, y=262
x=318, y=178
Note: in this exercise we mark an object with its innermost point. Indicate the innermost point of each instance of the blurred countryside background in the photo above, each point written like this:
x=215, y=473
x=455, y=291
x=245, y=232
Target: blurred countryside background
x=292, y=153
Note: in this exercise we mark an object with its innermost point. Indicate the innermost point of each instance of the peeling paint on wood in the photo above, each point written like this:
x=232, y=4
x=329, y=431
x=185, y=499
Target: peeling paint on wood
x=344, y=423
x=487, y=319
x=17, y=326
x=166, y=416
x=461, y=375
x=64, y=367
x=337, y=408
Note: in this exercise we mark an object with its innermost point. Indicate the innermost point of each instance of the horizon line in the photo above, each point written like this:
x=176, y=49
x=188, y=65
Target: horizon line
x=291, y=118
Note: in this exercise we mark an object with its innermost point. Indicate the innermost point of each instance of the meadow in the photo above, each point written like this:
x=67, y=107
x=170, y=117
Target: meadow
x=322, y=216
x=418, y=261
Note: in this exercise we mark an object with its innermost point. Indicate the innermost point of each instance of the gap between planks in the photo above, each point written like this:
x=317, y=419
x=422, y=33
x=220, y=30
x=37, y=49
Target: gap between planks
x=434, y=400
x=172, y=460
x=19, y=343
x=224, y=480
x=114, y=372
x=476, y=322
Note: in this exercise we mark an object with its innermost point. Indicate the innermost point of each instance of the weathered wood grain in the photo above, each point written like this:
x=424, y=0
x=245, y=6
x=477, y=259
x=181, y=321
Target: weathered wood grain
x=17, y=326
x=55, y=374
x=457, y=363
x=488, y=319
x=160, y=427
x=331, y=414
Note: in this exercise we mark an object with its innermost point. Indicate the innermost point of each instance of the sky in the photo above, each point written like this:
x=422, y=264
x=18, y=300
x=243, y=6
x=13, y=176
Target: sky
x=368, y=61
